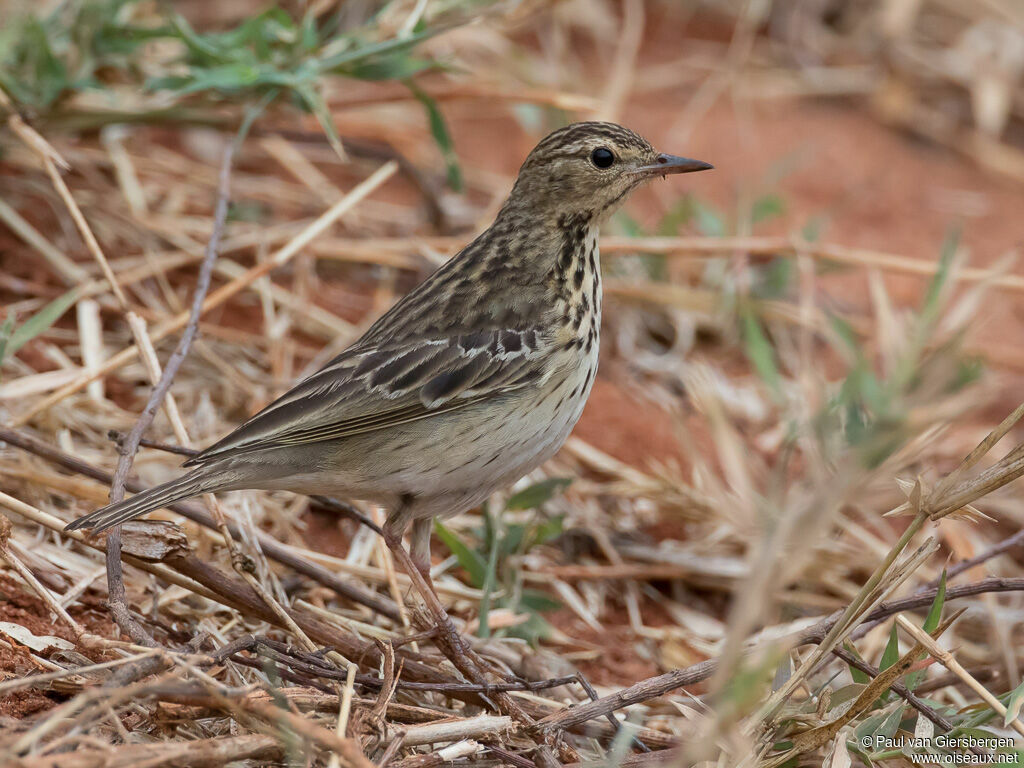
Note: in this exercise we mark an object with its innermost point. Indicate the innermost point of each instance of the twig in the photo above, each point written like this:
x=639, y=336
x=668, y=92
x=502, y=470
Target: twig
x=513, y=759
x=202, y=753
x=459, y=729
x=115, y=578
x=344, y=710
x=180, y=450
x=585, y=684
x=662, y=684
x=391, y=750
x=314, y=665
x=644, y=690
x=1016, y=540
x=389, y=680
x=901, y=690
x=32, y=681
x=917, y=600
x=445, y=755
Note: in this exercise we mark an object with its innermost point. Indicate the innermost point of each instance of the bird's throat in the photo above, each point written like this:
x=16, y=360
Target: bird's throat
x=576, y=280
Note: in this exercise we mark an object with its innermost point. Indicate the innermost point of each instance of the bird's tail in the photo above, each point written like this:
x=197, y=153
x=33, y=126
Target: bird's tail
x=198, y=481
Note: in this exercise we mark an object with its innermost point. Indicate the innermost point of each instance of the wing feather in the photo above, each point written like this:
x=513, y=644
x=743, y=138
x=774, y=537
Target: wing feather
x=376, y=387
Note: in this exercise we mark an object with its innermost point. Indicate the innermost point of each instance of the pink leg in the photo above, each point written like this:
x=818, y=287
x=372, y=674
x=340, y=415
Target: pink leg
x=419, y=546
x=448, y=639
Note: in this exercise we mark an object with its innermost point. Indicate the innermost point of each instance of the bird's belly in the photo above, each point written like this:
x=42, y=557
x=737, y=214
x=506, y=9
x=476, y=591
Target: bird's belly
x=451, y=463
x=487, y=447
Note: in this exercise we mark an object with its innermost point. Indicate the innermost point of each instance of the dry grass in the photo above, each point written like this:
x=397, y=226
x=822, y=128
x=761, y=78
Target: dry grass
x=772, y=593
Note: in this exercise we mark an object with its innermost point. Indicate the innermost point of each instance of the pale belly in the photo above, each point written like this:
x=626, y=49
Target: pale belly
x=445, y=466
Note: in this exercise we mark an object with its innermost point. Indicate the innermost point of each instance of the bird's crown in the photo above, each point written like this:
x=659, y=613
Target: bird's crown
x=589, y=168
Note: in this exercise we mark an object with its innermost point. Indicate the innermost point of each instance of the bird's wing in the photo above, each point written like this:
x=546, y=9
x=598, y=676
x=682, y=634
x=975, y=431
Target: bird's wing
x=375, y=387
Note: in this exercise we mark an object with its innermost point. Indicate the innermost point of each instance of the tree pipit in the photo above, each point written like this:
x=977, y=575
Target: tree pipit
x=465, y=385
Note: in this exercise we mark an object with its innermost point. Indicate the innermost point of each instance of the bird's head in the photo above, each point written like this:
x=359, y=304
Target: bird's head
x=590, y=168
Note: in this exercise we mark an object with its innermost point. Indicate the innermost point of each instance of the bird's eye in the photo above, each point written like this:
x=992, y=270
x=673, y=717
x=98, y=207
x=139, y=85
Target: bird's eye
x=602, y=157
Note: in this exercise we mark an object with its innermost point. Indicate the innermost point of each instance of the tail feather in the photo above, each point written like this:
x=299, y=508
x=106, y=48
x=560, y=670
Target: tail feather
x=186, y=486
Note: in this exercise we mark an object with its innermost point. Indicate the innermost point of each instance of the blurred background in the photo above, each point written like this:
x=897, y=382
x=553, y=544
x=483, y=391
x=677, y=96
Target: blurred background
x=804, y=339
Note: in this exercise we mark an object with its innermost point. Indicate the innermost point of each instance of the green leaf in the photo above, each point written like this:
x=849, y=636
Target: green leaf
x=1013, y=704
x=814, y=227
x=774, y=279
x=678, y=216
x=891, y=724
x=891, y=654
x=760, y=352
x=935, y=285
x=5, y=333
x=337, y=62
x=50, y=77
x=392, y=67
x=856, y=674
x=767, y=207
x=846, y=334
x=848, y=692
x=709, y=220
x=439, y=130
x=468, y=559
x=549, y=529
x=493, y=522
x=931, y=622
x=538, y=602
x=538, y=493
x=42, y=320
x=532, y=630
x=316, y=104
x=626, y=224
x=868, y=726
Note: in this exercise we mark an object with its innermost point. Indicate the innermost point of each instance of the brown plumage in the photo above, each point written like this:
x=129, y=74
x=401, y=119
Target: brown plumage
x=470, y=381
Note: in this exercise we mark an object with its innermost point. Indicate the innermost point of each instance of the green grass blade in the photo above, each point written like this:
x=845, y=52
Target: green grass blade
x=760, y=353
x=336, y=62
x=856, y=674
x=1013, y=704
x=42, y=320
x=468, y=559
x=891, y=654
x=938, y=281
x=316, y=104
x=490, y=576
x=538, y=493
x=931, y=622
x=439, y=130
x=5, y=333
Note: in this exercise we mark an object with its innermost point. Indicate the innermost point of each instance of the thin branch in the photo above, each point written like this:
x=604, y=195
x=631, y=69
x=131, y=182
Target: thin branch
x=130, y=446
x=1016, y=540
x=660, y=685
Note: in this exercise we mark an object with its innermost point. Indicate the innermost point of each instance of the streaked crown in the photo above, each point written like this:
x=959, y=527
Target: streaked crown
x=589, y=168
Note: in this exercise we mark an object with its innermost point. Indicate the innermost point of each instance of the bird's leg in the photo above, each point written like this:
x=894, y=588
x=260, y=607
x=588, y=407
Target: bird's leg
x=451, y=643
x=419, y=552
x=417, y=567
x=419, y=546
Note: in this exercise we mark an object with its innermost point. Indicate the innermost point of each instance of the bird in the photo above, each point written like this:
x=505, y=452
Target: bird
x=468, y=383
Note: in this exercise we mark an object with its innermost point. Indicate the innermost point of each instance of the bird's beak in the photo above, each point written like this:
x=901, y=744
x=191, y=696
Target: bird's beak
x=665, y=164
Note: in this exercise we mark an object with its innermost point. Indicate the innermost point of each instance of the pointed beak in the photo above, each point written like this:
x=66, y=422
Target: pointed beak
x=665, y=164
